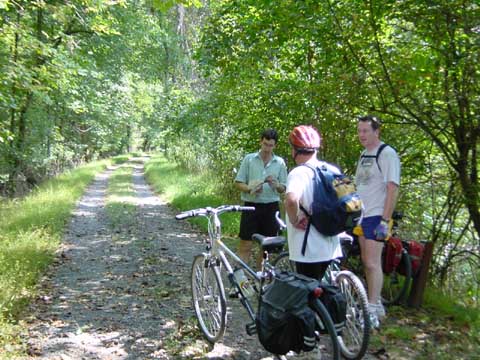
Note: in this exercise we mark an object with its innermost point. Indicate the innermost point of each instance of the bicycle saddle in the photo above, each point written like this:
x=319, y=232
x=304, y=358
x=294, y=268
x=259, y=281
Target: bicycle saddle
x=270, y=244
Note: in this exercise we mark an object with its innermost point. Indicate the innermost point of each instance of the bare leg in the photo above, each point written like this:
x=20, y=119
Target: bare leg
x=245, y=250
x=259, y=260
x=372, y=263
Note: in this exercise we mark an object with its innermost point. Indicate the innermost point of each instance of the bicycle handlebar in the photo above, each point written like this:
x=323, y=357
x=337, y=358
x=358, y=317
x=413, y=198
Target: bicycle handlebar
x=209, y=210
x=280, y=221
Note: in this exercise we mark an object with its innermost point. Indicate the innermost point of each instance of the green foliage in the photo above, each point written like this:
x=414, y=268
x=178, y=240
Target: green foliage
x=120, y=159
x=441, y=302
x=165, y=5
x=272, y=64
x=442, y=326
x=31, y=230
x=425, y=333
x=72, y=89
x=81, y=80
x=188, y=190
x=402, y=333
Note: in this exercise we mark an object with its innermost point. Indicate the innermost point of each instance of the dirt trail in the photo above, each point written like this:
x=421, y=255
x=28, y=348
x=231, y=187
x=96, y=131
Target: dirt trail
x=123, y=292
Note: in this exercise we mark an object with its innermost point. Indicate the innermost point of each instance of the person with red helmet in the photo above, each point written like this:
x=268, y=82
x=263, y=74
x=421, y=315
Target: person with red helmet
x=304, y=138
x=320, y=249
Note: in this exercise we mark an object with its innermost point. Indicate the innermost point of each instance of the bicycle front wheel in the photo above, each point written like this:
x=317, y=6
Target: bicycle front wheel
x=396, y=284
x=208, y=296
x=328, y=346
x=355, y=336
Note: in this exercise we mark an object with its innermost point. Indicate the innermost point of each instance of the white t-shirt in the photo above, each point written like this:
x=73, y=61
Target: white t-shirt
x=319, y=247
x=372, y=183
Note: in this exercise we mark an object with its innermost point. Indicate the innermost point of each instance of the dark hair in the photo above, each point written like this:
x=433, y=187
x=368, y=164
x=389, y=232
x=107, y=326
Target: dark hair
x=304, y=151
x=375, y=122
x=270, y=134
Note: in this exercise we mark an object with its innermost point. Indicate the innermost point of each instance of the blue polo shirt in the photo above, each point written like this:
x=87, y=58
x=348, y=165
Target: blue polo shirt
x=252, y=168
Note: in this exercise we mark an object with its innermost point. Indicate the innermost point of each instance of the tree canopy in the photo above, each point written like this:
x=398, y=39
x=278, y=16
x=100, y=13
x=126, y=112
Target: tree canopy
x=200, y=80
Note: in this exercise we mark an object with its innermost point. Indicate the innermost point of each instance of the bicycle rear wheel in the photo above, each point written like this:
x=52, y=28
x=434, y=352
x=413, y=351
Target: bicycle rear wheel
x=328, y=346
x=395, y=285
x=355, y=336
x=282, y=262
x=208, y=296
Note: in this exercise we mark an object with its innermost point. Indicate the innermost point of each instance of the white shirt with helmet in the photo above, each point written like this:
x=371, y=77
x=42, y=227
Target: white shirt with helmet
x=319, y=247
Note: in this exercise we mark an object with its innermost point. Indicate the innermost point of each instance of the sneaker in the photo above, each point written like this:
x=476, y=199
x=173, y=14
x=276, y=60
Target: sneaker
x=374, y=317
x=380, y=310
x=374, y=322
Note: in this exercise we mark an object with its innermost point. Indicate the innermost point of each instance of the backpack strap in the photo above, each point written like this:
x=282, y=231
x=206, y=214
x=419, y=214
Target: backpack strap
x=307, y=230
x=379, y=151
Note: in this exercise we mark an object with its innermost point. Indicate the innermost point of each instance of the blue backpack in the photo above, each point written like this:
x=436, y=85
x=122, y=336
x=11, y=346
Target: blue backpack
x=336, y=205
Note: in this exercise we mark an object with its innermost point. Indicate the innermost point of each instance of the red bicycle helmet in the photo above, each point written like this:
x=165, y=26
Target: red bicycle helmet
x=304, y=137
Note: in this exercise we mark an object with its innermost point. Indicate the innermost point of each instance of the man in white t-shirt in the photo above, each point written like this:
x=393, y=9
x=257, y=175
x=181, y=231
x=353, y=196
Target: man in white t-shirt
x=320, y=250
x=377, y=179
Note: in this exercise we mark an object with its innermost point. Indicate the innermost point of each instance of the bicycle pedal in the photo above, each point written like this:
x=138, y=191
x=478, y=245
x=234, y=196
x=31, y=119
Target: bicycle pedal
x=251, y=328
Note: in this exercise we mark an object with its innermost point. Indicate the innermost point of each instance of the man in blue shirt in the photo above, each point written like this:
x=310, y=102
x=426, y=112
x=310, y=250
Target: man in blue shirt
x=261, y=179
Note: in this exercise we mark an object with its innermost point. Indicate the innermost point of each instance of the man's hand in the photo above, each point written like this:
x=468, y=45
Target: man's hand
x=255, y=186
x=301, y=223
x=297, y=219
x=272, y=182
x=381, y=231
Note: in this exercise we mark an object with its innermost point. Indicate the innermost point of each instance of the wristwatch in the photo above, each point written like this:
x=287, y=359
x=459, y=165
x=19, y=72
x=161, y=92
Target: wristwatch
x=385, y=220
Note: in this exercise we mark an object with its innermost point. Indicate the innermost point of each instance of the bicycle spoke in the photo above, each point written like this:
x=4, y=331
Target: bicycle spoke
x=208, y=299
x=354, y=336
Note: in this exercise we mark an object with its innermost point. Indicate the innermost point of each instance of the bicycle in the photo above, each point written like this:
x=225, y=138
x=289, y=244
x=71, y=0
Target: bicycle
x=208, y=292
x=395, y=283
x=354, y=337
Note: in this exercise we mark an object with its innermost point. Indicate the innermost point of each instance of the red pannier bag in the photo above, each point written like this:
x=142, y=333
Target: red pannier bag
x=392, y=254
x=415, y=249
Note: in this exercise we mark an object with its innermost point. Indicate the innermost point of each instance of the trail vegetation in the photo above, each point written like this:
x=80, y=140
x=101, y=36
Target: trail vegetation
x=84, y=80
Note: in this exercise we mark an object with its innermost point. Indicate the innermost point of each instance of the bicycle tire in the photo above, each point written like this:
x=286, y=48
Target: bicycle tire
x=208, y=296
x=283, y=262
x=327, y=330
x=395, y=285
x=355, y=336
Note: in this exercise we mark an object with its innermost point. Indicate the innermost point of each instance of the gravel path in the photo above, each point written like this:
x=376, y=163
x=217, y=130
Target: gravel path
x=123, y=292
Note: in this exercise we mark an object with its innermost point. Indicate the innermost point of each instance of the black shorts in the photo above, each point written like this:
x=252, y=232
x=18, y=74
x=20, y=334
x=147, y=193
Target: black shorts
x=261, y=221
x=314, y=270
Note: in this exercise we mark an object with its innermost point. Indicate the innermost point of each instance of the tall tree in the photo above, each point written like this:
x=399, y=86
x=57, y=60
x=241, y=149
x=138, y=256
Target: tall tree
x=419, y=63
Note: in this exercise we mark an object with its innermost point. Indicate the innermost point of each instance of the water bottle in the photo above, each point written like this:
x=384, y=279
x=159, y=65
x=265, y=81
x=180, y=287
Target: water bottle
x=244, y=283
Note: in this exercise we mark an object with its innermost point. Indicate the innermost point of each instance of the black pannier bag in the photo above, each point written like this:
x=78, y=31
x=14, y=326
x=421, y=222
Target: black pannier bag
x=336, y=303
x=284, y=321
